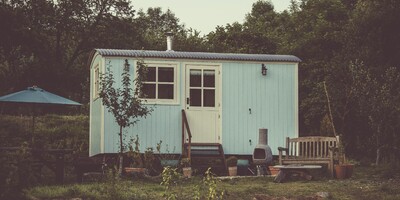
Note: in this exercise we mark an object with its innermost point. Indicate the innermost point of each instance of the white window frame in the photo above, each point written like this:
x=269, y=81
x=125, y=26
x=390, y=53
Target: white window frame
x=96, y=82
x=175, y=83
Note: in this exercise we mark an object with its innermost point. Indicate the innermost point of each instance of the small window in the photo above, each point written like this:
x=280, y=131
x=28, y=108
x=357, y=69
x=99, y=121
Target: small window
x=160, y=85
x=96, y=82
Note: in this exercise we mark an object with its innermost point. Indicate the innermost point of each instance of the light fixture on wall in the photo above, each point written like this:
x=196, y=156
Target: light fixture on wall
x=263, y=70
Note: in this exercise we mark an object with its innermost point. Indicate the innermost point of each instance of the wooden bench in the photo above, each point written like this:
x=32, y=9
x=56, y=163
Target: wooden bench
x=309, y=150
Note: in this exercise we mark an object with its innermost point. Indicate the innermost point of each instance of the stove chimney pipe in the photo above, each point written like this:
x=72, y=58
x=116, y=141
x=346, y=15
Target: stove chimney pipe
x=263, y=136
x=170, y=36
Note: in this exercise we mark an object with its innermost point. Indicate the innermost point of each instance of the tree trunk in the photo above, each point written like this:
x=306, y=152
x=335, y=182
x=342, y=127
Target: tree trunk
x=378, y=148
x=378, y=156
x=121, y=162
x=121, y=152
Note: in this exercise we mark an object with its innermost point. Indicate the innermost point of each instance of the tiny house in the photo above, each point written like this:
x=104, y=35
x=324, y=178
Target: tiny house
x=225, y=99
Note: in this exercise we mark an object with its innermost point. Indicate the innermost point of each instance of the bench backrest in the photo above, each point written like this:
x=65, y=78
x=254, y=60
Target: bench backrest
x=312, y=146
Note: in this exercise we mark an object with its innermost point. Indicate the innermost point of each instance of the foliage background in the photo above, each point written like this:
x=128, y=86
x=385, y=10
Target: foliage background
x=18, y=168
x=47, y=43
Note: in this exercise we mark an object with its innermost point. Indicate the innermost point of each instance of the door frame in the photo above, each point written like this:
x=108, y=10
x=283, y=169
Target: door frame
x=218, y=93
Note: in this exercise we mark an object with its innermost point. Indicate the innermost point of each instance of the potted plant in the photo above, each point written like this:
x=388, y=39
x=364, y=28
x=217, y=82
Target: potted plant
x=149, y=161
x=272, y=170
x=167, y=158
x=186, y=167
x=343, y=169
x=136, y=164
x=232, y=165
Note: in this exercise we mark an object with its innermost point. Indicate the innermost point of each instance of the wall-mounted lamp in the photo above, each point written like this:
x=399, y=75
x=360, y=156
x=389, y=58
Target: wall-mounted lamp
x=263, y=70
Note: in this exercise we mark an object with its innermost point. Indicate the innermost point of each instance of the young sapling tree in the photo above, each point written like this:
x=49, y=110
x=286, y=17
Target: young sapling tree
x=124, y=102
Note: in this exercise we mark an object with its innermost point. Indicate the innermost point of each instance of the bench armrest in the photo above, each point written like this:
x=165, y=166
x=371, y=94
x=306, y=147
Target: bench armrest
x=283, y=149
x=333, y=149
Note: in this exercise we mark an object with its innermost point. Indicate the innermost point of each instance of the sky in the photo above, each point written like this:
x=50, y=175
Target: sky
x=205, y=15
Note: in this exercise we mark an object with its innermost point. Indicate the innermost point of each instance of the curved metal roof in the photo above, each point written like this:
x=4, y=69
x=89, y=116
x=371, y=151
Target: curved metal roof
x=197, y=55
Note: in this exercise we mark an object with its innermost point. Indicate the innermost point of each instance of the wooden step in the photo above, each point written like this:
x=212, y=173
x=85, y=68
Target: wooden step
x=206, y=144
x=205, y=155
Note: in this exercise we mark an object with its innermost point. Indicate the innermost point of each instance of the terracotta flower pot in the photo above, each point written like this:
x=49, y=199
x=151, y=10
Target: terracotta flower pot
x=133, y=170
x=340, y=171
x=187, y=172
x=273, y=171
x=232, y=171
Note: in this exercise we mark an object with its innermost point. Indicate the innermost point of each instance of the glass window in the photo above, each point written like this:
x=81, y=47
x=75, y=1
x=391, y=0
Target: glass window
x=209, y=78
x=149, y=91
x=96, y=82
x=209, y=98
x=160, y=84
x=151, y=74
x=166, y=74
x=195, y=97
x=165, y=91
x=202, y=87
x=195, y=78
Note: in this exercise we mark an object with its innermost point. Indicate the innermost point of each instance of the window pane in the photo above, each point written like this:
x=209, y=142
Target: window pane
x=195, y=78
x=149, y=91
x=165, y=91
x=209, y=78
x=151, y=74
x=166, y=74
x=195, y=97
x=209, y=98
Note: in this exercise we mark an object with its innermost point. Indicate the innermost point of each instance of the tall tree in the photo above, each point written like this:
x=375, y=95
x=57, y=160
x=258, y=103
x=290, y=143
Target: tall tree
x=60, y=35
x=378, y=96
x=373, y=33
x=255, y=35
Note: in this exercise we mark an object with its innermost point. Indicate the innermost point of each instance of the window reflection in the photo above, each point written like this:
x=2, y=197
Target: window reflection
x=209, y=98
x=149, y=91
x=151, y=74
x=166, y=91
x=195, y=97
x=209, y=78
x=195, y=78
x=166, y=74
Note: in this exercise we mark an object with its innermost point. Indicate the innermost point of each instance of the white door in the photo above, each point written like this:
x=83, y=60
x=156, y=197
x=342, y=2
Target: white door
x=203, y=103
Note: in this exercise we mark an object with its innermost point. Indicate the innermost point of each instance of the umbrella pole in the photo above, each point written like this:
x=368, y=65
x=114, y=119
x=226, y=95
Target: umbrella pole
x=33, y=128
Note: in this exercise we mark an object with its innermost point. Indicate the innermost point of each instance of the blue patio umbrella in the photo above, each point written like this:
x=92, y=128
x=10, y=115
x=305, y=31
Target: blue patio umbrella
x=36, y=96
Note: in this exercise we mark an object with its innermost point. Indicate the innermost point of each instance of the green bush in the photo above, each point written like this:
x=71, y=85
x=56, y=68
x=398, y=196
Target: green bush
x=19, y=168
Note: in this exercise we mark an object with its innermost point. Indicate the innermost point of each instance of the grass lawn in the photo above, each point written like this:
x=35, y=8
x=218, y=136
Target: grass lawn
x=366, y=183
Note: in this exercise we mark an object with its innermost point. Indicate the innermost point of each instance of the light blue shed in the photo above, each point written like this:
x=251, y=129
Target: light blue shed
x=226, y=98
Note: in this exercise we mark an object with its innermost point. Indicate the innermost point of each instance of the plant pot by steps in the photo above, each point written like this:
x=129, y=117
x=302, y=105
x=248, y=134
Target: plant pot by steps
x=273, y=171
x=344, y=171
x=349, y=170
x=232, y=171
x=187, y=172
x=340, y=171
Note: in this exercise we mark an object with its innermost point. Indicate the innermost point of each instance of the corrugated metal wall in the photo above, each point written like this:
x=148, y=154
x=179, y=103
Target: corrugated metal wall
x=164, y=123
x=252, y=101
x=271, y=98
x=95, y=116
